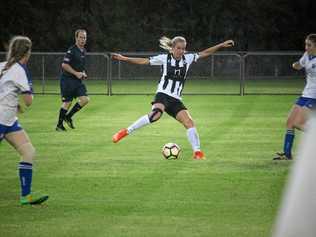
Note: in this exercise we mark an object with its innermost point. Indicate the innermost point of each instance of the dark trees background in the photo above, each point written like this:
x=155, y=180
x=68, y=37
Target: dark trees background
x=136, y=25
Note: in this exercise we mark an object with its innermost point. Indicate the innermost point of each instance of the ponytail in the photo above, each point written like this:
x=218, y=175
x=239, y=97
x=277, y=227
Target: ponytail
x=167, y=43
x=19, y=47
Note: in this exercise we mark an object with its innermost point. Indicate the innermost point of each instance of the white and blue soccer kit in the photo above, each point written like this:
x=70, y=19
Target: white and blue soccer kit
x=16, y=80
x=308, y=98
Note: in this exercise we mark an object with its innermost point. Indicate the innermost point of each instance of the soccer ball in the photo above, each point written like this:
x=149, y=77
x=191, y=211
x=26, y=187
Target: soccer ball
x=171, y=151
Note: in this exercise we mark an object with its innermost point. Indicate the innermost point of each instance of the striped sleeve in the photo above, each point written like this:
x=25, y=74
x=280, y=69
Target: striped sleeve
x=157, y=60
x=192, y=57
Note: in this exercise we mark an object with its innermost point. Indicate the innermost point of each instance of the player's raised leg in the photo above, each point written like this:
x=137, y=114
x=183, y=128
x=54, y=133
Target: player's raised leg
x=153, y=116
x=21, y=142
x=185, y=118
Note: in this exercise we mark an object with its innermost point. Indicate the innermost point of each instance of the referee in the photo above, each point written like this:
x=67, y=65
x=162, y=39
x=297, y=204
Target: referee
x=71, y=81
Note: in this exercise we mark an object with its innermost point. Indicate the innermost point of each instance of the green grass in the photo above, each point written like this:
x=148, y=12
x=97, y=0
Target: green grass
x=223, y=85
x=274, y=86
x=98, y=188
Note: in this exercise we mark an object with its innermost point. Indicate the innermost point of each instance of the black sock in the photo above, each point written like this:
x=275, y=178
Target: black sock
x=62, y=114
x=74, y=110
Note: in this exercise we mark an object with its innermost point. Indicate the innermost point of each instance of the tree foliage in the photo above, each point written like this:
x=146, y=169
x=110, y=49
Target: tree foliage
x=136, y=25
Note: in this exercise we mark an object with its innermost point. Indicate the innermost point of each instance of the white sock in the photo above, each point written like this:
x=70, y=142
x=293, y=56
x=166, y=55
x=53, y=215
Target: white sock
x=194, y=139
x=141, y=122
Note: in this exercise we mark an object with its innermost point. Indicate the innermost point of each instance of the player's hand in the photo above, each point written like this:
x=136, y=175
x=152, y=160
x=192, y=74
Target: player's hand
x=228, y=43
x=118, y=57
x=21, y=105
x=297, y=66
x=85, y=76
x=80, y=75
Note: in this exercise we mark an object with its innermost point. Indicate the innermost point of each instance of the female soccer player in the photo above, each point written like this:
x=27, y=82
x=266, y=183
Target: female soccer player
x=303, y=105
x=71, y=85
x=175, y=65
x=14, y=80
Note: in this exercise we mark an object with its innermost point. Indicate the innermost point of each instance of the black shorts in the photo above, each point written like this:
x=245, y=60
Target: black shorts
x=71, y=88
x=172, y=105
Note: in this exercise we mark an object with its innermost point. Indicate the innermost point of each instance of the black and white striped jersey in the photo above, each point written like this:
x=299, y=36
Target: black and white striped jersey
x=173, y=72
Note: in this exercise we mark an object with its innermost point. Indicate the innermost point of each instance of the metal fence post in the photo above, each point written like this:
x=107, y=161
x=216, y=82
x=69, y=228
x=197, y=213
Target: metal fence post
x=43, y=74
x=212, y=65
x=119, y=70
x=109, y=76
x=242, y=73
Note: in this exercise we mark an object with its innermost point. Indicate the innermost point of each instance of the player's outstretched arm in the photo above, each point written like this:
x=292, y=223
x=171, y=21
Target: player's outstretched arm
x=119, y=57
x=207, y=52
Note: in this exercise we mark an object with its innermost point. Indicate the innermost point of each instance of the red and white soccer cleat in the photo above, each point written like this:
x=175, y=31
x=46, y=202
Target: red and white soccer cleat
x=119, y=135
x=198, y=155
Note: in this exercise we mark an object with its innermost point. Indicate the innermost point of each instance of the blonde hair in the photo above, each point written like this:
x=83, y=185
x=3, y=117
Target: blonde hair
x=78, y=31
x=19, y=47
x=167, y=43
x=312, y=37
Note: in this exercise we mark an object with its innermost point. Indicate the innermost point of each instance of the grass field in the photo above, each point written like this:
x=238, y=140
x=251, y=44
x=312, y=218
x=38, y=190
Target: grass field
x=228, y=85
x=98, y=188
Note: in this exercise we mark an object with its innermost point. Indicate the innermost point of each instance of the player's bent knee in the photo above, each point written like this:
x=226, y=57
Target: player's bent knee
x=27, y=152
x=84, y=100
x=155, y=115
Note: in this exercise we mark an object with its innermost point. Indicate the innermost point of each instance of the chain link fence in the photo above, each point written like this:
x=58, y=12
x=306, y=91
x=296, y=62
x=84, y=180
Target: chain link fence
x=231, y=73
x=272, y=73
x=46, y=70
x=207, y=76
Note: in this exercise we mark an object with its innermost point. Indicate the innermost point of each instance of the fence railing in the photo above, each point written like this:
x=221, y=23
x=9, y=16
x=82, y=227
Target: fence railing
x=231, y=73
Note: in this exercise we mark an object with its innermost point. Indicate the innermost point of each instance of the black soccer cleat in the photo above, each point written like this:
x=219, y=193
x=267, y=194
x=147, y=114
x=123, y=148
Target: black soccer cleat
x=69, y=122
x=282, y=156
x=60, y=128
